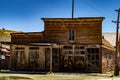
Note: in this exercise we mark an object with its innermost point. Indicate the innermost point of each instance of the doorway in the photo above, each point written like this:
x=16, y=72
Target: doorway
x=34, y=58
x=55, y=59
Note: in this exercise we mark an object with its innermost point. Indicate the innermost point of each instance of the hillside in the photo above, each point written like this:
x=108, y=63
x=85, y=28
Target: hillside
x=5, y=35
x=110, y=37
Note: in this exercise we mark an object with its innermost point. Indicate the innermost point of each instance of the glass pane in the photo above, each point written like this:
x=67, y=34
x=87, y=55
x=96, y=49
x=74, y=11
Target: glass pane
x=70, y=38
x=66, y=52
x=82, y=52
x=34, y=48
x=71, y=35
x=93, y=50
x=19, y=48
x=82, y=47
x=70, y=52
x=89, y=50
x=93, y=57
x=96, y=50
x=77, y=47
x=67, y=47
x=89, y=58
x=97, y=57
x=77, y=52
x=97, y=63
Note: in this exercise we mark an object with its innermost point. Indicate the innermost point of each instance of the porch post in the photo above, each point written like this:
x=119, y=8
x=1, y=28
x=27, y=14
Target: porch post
x=0, y=56
x=51, y=58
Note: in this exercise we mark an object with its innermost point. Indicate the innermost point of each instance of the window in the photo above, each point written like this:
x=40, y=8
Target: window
x=34, y=58
x=71, y=35
x=67, y=47
x=73, y=57
x=34, y=53
x=67, y=50
x=79, y=49
x=93, y=57
x=20, y=56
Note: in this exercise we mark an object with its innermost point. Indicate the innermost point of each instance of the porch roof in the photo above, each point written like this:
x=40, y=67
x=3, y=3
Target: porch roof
x=36, y=44
x=43, y=44
x=107, y=45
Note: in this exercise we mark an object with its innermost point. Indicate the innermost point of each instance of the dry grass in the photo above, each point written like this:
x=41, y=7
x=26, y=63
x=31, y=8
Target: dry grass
x=57, y=76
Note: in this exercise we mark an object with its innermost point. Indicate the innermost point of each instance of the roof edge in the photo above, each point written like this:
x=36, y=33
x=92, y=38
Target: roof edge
x=76, y=18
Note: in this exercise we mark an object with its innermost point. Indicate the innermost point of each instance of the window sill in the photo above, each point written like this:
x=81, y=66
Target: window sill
x=71, y=41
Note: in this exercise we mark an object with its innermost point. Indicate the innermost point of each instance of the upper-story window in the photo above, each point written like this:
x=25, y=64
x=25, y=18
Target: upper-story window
x=71, y=35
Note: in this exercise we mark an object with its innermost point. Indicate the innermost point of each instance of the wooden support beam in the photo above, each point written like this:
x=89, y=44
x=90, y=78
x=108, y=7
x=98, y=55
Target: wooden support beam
x=50, y=58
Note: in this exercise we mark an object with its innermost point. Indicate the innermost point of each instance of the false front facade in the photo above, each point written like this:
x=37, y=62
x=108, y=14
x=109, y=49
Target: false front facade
x=66, y=44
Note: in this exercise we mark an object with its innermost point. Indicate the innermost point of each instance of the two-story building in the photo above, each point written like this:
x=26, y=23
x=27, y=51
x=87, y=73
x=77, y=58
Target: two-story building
x=66, y=44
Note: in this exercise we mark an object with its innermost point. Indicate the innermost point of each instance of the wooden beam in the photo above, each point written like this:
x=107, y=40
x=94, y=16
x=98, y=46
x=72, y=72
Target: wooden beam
x=50, y=58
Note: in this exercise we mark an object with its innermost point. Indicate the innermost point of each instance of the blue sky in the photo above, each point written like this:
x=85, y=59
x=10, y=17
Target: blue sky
x=25, y=15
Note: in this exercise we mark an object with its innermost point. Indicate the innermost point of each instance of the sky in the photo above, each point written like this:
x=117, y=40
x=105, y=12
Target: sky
x=25, y=15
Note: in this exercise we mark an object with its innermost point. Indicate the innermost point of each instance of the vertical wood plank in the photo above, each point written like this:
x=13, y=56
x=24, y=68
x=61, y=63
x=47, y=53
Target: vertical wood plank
x=50, y=58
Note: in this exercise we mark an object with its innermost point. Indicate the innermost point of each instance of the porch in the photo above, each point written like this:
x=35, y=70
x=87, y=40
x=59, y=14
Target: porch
x=53, y=57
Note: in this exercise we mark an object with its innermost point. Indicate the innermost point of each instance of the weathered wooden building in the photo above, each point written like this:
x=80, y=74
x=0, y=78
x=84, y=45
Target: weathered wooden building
x=5, y=40
x=66, y=44
x=5, y=56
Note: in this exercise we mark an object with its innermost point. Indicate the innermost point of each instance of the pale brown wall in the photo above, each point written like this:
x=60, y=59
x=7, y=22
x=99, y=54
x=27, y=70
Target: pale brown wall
x=86, y=32
x=26, y=37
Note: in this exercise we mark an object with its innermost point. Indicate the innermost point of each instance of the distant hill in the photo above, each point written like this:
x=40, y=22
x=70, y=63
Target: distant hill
x=5, y=35
x=110, y=37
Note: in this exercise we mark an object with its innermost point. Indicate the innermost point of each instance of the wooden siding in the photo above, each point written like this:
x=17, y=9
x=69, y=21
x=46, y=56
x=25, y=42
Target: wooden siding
x=27, y=37
x=87, y=30
x=108, y=57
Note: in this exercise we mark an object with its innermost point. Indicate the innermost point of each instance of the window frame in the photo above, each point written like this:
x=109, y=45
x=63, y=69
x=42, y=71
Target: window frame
x=93, y=57
x=20, y=55
x=71, y=35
